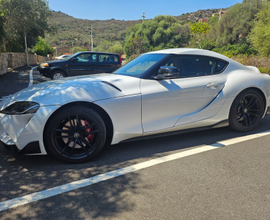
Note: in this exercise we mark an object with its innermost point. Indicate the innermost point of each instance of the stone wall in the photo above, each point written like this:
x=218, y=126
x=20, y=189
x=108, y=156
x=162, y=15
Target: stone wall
x=3, y=63
x=15, y=60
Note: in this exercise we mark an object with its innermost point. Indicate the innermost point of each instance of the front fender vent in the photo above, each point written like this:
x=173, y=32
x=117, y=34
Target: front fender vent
x=111, y=85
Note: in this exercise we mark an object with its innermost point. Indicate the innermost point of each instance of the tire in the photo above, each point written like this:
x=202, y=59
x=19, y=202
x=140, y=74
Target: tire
x=58, y=74
x=75, y=134
x=247, y=111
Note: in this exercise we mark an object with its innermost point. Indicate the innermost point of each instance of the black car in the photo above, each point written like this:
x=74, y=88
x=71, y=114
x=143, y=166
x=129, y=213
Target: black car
x=81, y=63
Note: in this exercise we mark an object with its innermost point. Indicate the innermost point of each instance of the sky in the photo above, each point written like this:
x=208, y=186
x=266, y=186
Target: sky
x=133, y=10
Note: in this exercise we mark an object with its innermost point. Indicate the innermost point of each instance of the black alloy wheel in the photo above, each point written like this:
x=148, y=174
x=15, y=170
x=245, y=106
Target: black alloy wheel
x=247, y=111
x=75, y=134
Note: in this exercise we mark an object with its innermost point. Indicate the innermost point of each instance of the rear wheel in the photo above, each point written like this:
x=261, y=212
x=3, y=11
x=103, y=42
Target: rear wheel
x=247, y=111
x=75, y=134
x=58, y=74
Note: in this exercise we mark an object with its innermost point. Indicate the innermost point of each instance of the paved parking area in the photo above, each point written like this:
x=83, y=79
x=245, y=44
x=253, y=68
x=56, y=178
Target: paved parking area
x=231, y=181
x=19, y=79
x=213, y=174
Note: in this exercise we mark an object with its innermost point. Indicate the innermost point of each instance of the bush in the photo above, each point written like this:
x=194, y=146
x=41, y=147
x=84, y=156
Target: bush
x=42, y=48
x=78, y=49
x=236, y=49
x=262, y=63
x=117, y=48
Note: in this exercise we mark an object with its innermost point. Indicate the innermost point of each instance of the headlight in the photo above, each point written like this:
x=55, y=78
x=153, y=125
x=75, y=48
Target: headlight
x=20, y=108
x=44, y=64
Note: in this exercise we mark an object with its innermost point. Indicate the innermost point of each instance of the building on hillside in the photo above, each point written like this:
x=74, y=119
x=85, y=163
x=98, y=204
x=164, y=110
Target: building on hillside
x=220, y=13
x=202, y=20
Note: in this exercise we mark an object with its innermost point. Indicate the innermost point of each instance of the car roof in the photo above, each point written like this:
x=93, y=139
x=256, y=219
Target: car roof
x=191, y=51
x=97, y=52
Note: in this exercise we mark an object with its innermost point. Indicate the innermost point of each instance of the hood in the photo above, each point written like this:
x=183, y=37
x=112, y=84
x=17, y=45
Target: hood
x=81, y=88
x=54, y=61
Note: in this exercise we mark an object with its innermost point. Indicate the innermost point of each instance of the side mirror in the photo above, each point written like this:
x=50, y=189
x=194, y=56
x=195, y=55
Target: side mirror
x=167, y=72
x=74, y=60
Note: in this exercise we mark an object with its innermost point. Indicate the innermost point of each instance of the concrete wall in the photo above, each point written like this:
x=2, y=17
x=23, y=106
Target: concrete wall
x=15, y=60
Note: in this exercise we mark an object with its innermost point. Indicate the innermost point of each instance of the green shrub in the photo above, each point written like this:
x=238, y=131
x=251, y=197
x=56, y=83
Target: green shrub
x=42, y=48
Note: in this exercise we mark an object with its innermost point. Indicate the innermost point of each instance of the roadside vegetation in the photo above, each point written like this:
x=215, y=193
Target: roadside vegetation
x=241, y=33
x=23, y=19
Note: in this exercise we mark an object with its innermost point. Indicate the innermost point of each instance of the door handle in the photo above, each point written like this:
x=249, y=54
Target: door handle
x=212, y=85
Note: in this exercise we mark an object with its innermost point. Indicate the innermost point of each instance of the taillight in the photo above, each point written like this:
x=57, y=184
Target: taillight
x=120, y=59
x=55, y=58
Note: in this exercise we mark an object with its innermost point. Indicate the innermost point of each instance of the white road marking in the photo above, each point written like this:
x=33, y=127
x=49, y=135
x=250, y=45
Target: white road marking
x=31, y=76
x=106, y=176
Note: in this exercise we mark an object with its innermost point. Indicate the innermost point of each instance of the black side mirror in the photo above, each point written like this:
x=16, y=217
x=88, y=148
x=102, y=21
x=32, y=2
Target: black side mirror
x=74, y=60
x=167, y=72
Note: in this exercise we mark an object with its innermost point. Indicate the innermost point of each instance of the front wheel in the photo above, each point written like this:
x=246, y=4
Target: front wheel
x=58, y=75
x=75, y=134
x=247, y=111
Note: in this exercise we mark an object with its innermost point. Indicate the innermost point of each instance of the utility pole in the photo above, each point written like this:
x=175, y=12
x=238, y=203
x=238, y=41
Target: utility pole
x=92, y=49
x=220, y=14
x=72, y=47
x=25, y=41
x=143, y=16
x=56, y=51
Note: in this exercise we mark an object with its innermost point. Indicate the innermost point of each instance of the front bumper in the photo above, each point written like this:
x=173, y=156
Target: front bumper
x=24, y=133
x=31, y=148
x=44, y=70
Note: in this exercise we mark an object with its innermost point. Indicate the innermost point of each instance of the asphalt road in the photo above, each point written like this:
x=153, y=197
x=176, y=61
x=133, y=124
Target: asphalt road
x=230, y=182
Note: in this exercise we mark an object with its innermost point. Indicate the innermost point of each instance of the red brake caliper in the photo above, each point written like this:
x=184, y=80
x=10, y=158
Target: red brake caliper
x=90, y=137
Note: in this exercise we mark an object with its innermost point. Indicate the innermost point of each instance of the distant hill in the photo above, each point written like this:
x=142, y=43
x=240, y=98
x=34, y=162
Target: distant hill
x=195, y=16
x=70, y=29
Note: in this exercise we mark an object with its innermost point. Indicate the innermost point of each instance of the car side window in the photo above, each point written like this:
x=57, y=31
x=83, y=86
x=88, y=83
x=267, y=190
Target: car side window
x=86, y=57
x=221, y=65
x=108, y=58
x=192, y=66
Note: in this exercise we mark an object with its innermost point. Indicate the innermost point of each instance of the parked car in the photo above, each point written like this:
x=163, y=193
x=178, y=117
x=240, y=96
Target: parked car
x=62, y=57
x=81, y=63
x=167, y=91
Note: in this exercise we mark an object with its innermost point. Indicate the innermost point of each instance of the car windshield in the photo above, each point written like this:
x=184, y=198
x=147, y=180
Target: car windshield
x=74, y=55
x=65, y=57
x=139, y=65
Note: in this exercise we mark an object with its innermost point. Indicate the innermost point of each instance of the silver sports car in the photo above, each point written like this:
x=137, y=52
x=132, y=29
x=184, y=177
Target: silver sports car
x=167, y=91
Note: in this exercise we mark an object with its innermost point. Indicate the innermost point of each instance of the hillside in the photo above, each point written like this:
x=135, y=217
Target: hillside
x=68, y=28
x=195, y=16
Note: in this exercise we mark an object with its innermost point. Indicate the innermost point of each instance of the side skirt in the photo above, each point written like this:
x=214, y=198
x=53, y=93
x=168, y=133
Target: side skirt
x=218, y=125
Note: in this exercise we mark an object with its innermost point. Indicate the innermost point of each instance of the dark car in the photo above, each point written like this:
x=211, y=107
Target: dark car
x=81, y=63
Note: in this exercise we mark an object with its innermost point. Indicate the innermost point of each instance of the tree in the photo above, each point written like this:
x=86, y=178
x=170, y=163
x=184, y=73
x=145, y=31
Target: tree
x=199, y=28
x=78, y=49
x=2, y=31
x=117, y=48
x=237, y=22
x=260, y=34
x=213, y=20
x=42, y=48
x=103, y=46
x=160, y=33
x=27, y=17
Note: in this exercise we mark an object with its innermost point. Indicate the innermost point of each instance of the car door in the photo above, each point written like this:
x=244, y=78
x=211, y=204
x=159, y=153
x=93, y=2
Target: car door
x=164, y=102
x=107, y=63
x=85, y=64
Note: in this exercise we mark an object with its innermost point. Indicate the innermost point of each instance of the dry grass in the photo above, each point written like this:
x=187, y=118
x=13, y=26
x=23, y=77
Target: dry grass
x=262, y=63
